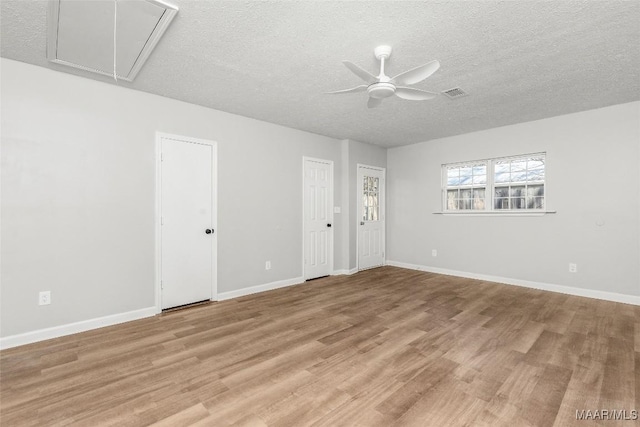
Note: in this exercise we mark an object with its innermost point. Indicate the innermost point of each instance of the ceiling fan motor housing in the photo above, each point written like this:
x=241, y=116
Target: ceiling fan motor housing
x=383, y=51
x=381, y=90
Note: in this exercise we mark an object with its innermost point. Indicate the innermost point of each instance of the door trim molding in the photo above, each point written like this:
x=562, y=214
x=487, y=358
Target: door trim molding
x=330, y=207
x=384, y=212
x=158, y=210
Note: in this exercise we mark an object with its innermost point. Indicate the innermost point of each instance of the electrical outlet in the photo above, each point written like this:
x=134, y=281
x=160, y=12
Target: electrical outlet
x=267, y=265
x=44, y=298
x=434, y=252
x=573, y=268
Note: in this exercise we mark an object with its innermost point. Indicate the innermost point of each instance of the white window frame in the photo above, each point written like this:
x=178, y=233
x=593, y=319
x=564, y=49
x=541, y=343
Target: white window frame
x=490, y=186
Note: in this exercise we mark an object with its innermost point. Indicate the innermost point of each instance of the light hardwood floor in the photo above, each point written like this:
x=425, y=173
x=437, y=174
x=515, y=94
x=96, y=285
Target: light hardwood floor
x=383, y=347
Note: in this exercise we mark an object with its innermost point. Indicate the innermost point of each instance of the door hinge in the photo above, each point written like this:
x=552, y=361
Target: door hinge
x=162, y=157
x=161, y=220
x=161, y=285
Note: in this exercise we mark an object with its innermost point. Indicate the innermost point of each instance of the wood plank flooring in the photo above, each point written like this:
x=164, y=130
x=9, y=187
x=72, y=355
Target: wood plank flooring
x=382, y=347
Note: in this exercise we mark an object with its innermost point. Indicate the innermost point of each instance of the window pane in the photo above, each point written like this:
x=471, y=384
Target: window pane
x=501, y=167
x=375, y=184
x=478, y=199
x=453, y=181
x=518, y=165
x=535, y=202
x=518, y=203
x=466, y=204
x=501, y=203
x=519, y=176
x=535, y=175
x=502, y=192
x=374, y=216
x=502, y=177
x=480, y=179
x=535, y=163
x=480, y=169
x=517, y=191
x=538, y=203
x=466, y=194
x=452, y=199
x=535, y=190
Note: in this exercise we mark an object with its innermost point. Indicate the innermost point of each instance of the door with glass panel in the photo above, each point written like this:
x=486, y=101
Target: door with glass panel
x=371, y=222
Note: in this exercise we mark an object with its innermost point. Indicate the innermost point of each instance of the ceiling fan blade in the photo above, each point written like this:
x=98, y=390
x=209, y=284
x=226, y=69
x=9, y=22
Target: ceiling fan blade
x=417, y=74
x=363, y=74
x=374, y=102
x=360, y=88
x=413, y=94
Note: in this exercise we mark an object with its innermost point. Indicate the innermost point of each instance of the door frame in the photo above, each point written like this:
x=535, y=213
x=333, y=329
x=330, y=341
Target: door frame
x=329, y=207
x=383, y=212
x=158, y=211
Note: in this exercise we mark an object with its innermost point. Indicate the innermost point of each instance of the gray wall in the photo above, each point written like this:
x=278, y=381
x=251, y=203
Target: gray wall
x=78, y=171
x=592, y=177
x=78, y=188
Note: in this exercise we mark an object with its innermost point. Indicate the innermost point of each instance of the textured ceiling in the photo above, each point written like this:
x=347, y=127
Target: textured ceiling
x=272, y=60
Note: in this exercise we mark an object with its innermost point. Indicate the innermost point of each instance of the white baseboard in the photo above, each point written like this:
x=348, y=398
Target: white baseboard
x=260, y=288
x=73, y=328
x=581, y=292
x=345, y=272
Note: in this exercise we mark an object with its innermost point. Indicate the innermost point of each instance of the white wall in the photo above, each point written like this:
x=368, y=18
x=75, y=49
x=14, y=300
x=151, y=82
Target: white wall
x=78, y=171
x=592, y=176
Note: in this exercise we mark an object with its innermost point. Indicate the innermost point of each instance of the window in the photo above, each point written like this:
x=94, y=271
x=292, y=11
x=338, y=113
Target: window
x=503, y=184
x=370, y=202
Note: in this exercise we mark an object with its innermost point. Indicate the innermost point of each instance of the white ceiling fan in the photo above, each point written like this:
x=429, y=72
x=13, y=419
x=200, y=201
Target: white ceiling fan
x=383, y=86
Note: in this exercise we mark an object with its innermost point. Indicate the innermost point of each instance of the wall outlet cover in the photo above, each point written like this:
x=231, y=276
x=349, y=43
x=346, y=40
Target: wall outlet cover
x=44, y=298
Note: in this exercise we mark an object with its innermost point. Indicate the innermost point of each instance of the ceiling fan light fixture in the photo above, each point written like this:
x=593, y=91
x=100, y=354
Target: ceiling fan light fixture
x=381, y=90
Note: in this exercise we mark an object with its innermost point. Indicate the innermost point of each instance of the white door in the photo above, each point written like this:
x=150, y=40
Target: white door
x=318, y=218
x=186, y=222
x=371, y=223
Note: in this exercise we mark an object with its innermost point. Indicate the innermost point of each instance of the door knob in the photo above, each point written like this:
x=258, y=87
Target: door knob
x=361, y=222
x=209, y=230
x=329, y=225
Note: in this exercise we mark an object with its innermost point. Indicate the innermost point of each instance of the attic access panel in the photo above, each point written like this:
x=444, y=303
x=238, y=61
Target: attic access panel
x=80, y=34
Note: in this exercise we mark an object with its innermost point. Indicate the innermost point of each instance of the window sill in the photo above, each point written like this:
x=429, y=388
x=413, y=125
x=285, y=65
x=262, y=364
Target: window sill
x=496, y=213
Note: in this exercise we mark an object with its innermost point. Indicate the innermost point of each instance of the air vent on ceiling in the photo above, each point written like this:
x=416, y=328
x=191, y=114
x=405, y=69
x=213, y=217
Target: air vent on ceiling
x=80, y=34
x=454, y=93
